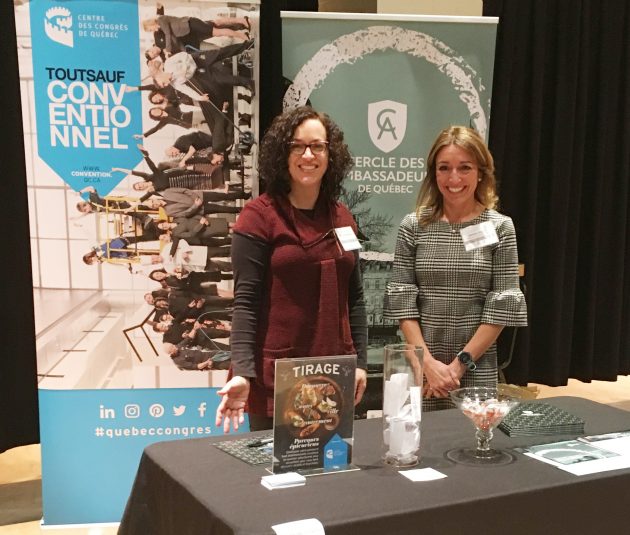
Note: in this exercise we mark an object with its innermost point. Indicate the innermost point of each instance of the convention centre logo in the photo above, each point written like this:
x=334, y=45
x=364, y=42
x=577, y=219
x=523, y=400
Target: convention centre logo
x=387, y=124
x=58, y=26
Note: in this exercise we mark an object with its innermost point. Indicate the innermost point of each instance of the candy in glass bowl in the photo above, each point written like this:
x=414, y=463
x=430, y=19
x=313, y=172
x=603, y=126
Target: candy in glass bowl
x=485, y=407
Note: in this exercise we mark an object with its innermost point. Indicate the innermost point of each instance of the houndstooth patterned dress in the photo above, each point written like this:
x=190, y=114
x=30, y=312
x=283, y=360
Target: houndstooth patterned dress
x=451, y=291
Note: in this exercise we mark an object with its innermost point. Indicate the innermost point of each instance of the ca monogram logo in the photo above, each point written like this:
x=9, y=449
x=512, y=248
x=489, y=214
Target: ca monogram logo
x=387, y=123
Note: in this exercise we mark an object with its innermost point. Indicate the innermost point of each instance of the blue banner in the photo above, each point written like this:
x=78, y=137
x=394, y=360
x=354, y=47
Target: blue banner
x=88, y=477
x=84, y=56
x=106, y=133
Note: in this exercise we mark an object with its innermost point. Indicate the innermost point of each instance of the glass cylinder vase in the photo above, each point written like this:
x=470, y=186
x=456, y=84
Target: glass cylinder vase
x=402, y=404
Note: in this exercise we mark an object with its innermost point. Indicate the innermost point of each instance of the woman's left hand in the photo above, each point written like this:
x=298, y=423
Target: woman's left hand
x=456, y=371
x=457, y=368
x=360, y=384
x=440, y=379
x=232, y=406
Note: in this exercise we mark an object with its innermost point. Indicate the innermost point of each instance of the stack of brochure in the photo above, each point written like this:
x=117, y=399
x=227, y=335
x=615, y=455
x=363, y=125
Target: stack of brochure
x=283, y=481
x=529, y=419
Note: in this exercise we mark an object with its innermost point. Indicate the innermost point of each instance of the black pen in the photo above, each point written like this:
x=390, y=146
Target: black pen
x=260, y=442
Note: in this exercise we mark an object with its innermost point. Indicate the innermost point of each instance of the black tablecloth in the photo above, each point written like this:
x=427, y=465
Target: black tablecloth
x=191, y=487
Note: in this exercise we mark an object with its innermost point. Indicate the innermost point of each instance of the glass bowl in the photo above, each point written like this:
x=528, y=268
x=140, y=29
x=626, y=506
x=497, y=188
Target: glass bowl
x=485, y=407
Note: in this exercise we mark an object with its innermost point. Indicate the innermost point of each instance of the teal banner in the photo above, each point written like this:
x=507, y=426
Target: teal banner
x=128, y=105
x=92, y=441
x=85, y=55
x=391, y=82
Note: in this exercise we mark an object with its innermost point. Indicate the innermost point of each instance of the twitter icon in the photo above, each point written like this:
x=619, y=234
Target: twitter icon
x=178, y=411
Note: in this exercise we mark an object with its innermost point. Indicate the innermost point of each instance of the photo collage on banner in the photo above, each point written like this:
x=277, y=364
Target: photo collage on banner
x=140, y=132
x=392, y=83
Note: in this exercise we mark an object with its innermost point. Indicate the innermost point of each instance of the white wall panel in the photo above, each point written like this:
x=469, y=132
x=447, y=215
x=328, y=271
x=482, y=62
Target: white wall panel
x=51, y=213
x=55, y=272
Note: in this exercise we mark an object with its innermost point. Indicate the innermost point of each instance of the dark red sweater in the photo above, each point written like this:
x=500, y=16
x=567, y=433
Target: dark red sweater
x=304, y=306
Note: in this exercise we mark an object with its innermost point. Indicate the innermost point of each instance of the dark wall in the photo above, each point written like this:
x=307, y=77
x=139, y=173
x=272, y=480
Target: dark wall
x=18, y=389
x=560, y=135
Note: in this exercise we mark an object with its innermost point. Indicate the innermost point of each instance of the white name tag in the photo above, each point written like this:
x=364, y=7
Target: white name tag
x=476, y=236
x=347, y=238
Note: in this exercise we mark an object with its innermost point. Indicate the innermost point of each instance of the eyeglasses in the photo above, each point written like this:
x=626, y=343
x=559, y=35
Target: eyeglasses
x=298, y=148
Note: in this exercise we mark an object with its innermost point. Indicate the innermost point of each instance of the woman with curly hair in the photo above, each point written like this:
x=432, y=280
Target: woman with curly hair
x=297, y=292
x=454, y=283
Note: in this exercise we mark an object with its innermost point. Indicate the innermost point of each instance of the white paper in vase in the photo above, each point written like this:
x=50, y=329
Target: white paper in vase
x=404, y=432
x=395, y=394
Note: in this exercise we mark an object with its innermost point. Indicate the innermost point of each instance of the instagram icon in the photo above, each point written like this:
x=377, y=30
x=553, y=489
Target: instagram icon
x=132, y=411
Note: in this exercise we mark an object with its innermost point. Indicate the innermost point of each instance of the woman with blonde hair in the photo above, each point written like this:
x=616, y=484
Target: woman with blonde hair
x=455, y=284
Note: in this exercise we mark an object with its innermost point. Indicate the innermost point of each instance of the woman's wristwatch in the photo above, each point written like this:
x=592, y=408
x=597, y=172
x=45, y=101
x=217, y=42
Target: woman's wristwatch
x=466, y=359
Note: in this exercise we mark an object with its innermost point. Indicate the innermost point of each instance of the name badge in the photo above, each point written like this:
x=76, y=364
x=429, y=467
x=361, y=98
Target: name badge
x=476, y=236
x=347, y=238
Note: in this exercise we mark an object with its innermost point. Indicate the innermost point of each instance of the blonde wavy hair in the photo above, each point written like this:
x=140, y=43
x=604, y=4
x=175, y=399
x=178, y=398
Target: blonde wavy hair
x=429, y=195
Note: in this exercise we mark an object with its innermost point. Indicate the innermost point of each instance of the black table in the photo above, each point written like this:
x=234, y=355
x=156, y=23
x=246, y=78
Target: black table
x=191, y=487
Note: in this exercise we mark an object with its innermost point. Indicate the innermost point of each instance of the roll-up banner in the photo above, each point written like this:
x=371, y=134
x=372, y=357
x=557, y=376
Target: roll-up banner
x=391, y=82
x=140, y=128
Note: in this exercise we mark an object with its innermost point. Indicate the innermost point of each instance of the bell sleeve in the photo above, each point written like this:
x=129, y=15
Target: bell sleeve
x=401, y=293
x=505, y=302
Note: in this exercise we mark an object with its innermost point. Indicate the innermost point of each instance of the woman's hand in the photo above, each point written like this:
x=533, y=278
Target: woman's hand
x=441, y=378
x=232, y=407
x=360, y=384
x=457, y=368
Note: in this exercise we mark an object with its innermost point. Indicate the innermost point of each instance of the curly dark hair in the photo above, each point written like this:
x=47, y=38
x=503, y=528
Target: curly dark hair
x=273, y=159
